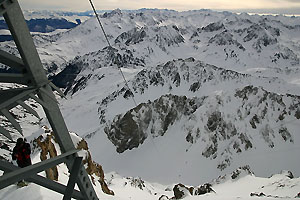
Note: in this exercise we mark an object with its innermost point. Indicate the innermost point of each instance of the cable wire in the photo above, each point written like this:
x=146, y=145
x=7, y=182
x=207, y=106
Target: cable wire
x=97, y=16
x=126, y=82
x=103, y=30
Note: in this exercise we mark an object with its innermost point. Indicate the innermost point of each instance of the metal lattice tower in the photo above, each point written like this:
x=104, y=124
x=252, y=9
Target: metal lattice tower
x=30, y=73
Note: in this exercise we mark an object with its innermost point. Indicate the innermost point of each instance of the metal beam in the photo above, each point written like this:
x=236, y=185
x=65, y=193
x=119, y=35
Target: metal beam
x=23, y=40
x=15, y=21
x=14, y=78
x=28, y=108
x=61, y=94
x=12, y=120
x=72, y=179
x=40, y=180
x=26, y=172
x=9, y=97
x=11, y=61
x=48, y=93
x=5, y=132
x=40, y=101
x=5, y=5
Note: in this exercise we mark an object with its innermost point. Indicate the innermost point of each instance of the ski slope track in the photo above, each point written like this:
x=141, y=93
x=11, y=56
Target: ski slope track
x=215, y=91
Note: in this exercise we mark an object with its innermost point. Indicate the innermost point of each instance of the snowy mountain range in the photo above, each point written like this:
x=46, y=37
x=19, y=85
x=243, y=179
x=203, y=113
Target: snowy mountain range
x=206, y=93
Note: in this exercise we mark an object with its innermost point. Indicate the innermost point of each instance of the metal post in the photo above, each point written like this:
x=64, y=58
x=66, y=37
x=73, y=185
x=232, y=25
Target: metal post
x=40, y=180
x=72, y=180
x=31, y=67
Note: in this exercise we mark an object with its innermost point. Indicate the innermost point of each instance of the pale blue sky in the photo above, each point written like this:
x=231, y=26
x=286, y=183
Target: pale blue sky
x=274, y=6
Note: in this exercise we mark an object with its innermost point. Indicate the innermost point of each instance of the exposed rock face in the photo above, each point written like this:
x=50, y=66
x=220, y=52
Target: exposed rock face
x=163, y=197
x=46, y=143
x=241, y=171
x=214, y=27
x=94, y=168
x=173, y=74
x=235, y=175
x=130, y=130
x=68, y=78
x=181, y=191
x=287, y=173
x=133, y=36
x=47, y=151
x=225, y=38
x=136, y=182
x=208, y=121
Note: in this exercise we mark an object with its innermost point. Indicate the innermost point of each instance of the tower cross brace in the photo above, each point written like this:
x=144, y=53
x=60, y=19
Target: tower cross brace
x=31, y=73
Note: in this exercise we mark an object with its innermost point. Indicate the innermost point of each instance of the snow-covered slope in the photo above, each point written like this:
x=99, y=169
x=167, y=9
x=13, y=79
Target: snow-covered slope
x=192, y=115
x=266, y=43
x=213, y=90
x=242, y=183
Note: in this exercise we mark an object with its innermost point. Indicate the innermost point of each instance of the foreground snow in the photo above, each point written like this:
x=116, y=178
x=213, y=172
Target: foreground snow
x=240, y=184
x=277, y=186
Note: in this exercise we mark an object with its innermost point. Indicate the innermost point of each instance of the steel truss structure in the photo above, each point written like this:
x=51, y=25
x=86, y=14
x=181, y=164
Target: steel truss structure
x=30, y=73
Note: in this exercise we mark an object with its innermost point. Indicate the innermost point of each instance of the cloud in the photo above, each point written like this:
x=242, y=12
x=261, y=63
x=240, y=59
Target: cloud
x=294, y=1
x=82, y=5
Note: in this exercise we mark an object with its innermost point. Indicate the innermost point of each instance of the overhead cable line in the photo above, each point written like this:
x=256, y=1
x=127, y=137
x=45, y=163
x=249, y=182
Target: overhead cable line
x=126, y=83
x=102, y=28
x=98, y=18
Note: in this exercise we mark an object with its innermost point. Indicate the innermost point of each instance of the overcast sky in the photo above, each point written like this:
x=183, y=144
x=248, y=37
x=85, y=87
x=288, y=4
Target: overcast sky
x=274, y=6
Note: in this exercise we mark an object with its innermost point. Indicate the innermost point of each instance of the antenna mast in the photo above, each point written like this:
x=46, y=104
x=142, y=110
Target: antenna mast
x=31, y=73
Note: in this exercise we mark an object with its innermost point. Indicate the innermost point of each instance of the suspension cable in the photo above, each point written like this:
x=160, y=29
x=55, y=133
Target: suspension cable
x=103, y=30
x=98, y=18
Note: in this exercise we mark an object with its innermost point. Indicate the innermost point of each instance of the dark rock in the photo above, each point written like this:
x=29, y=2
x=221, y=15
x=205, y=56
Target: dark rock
x=133, y=36
x=203, y=189
x=213, y=27
x=163, y=197
x=137, y=182
x=287, y=173
x=241, y=170
x=225, y=38
x=129, y=131
x=257, y=194
x=181, y=191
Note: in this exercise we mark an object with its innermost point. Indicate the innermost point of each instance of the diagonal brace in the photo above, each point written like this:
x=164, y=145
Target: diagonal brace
x=73, y=177
x=14, y=78
x=11, y=96
x=11, y=60
x=26, y=172
x=5, y=133
x=40, y=180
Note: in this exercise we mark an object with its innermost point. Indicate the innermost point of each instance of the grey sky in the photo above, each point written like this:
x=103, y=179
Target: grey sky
x=275, y=6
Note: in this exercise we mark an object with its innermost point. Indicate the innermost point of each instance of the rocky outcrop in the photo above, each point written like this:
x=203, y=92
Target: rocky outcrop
x=235, y=175
x=214, y=27
x=68, y=78
x=94, y=168
x=48, y=150
x=255, y=108
x=181, y=191
x=173, y=74
x=130, y=130
x=225, y=38
x=216, y=125
x=46, y=144
x=163, y=197
x=133, y=36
